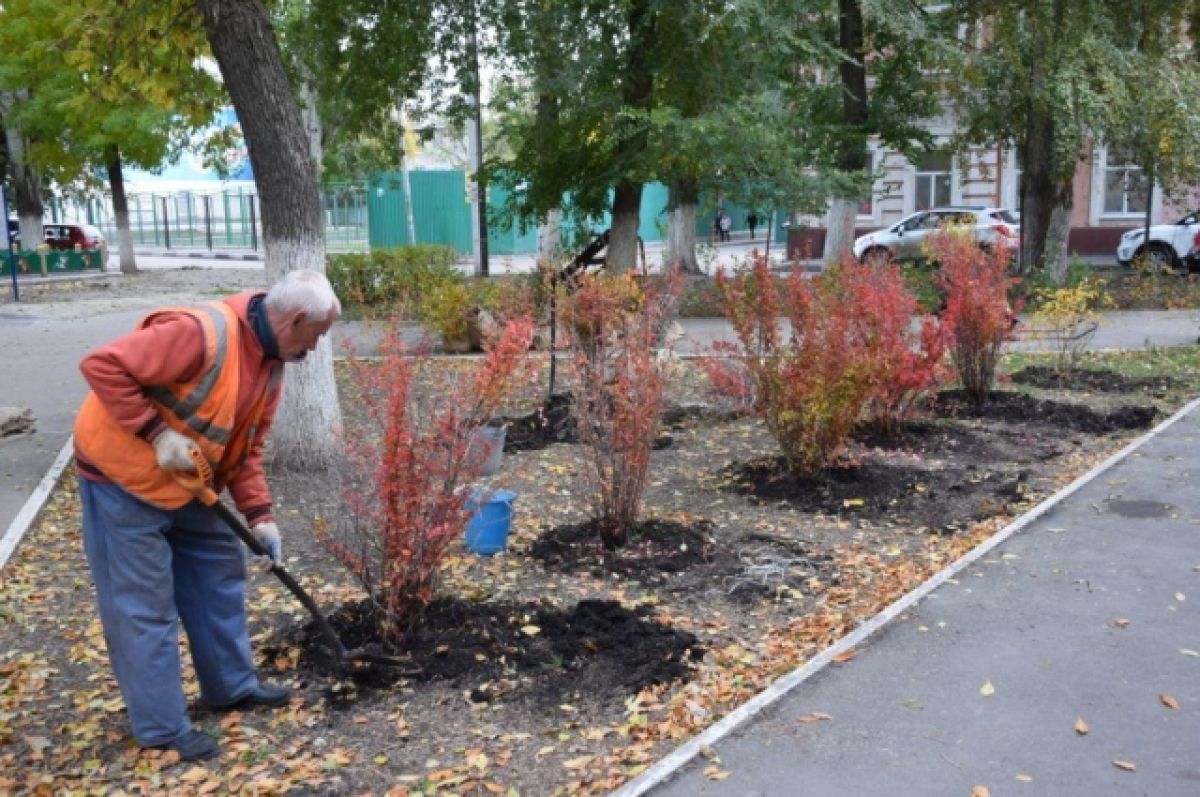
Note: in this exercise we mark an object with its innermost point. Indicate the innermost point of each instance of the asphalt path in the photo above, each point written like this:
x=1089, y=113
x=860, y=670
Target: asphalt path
x=1064, y=662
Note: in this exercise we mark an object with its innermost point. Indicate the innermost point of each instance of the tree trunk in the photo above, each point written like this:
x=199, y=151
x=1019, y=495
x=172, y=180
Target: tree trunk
x=549, y=237
x=116, y=182
x=681, y=226
x=636, y=93
x=1047, y=189
x=26, y=181
x=839, y=232
x=244, y=44
x=1057, y=256
x=852, y=146
x=623, y=241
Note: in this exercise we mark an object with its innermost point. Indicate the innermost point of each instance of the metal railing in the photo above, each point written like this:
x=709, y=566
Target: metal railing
x=229, y=219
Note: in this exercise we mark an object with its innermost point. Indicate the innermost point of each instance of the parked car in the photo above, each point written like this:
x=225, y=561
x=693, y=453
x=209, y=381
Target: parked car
x=70, y=236
x=1171, y=247
x=905, y=239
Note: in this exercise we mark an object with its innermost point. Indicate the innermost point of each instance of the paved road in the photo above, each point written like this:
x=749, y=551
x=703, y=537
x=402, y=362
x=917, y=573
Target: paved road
x=1091, y=612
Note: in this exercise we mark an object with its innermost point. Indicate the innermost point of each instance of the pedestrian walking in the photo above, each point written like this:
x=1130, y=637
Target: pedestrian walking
x=726, y=223
x=189, y=379
x=752, y=223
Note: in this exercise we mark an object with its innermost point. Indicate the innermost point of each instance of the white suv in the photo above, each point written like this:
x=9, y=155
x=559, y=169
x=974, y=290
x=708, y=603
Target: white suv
x=904, y=240
x=1169, y=248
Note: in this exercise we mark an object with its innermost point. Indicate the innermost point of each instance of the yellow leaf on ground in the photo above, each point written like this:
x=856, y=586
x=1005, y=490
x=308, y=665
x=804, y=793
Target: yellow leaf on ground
x=842, y=658
x=1125, y=765
x=1024, y=778
x=987, y=690
x=981, y=791
x=194, y=775
x=530, y=630
x=1081, y=727
x=1169, y=702
x=578, y=763
x=714, y=772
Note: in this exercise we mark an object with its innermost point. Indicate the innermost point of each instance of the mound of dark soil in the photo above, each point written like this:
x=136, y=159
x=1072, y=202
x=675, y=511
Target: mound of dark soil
x=885, y=489
x=655, y=547
x=1100, y=381
x=536, y=644
x=549, y=424
x=1018, y=408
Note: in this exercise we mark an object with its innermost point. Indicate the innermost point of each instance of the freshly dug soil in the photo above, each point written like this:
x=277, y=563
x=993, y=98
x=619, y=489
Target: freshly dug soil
x=556, y=662
x=1103, y=381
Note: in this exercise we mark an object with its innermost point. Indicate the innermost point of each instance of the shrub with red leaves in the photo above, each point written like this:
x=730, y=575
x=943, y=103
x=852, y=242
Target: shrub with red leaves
x=978, y=318
x=614, y=325
x=849, y=354
x=410, y=463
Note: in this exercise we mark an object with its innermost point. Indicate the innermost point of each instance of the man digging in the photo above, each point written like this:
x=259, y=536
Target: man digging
x=206, y=378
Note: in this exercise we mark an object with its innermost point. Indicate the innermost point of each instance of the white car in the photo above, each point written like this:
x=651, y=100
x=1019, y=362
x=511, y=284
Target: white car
x=905, y=239
x=1171, y=245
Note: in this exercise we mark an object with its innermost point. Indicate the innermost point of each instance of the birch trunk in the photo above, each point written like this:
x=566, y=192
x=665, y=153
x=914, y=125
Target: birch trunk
x=243, y=42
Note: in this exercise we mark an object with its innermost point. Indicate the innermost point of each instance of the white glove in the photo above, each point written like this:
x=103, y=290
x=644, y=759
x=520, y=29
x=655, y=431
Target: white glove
x=267, y=535
x=174, y=451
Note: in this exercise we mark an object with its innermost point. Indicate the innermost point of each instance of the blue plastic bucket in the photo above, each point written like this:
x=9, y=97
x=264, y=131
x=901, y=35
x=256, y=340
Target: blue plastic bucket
x=487, y=531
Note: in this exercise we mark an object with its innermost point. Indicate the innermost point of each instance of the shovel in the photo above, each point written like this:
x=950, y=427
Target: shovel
x=198, y=483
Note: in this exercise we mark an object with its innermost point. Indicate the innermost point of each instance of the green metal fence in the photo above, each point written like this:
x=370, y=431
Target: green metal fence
x=359, y=216
x=226, y=219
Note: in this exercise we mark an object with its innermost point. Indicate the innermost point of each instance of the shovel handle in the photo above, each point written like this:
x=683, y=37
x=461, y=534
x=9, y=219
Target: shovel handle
x=199, y=483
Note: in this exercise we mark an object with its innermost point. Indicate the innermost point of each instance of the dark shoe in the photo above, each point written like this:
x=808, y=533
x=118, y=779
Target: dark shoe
x=262, y=695
x=193, y=746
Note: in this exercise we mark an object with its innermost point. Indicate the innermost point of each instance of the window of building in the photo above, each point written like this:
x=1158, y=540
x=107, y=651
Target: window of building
x=933, y=180
x=1125, y=188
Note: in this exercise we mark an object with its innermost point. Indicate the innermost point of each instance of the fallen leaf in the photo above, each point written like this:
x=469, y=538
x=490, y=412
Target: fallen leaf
x=816, y=716
x=1125, y=765
x=1179, y=596
x=849, y=502
x=981, y=791
x=1024, y=778
x=1188, y=652
x=713, y=772
x=1169, y=702
x=987, y=690
x=578, y=763
x=708, y=752
x=194, y=775
x=1081, y=727
x=530, y=630
x=1121, y=622
x=842, y=658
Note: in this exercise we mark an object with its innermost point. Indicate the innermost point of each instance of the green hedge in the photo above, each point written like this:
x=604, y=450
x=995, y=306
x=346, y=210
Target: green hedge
x=398, y=277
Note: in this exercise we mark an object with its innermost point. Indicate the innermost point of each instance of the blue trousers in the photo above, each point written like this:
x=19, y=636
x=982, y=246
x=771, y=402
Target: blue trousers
x=152, y=568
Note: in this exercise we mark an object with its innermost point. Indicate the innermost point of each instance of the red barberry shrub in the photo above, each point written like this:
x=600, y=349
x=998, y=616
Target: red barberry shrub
x=906, y=356
x=613, y=324
x=977, y=318
x=849, y=352
x=410, y=462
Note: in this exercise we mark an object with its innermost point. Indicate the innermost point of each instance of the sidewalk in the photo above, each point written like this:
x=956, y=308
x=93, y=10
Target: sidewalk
x=1088, y=612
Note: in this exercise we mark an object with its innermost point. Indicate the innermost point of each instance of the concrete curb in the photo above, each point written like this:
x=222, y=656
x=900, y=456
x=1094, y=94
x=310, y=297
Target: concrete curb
x=666, y=767
x=199, y=254
x=33, y=505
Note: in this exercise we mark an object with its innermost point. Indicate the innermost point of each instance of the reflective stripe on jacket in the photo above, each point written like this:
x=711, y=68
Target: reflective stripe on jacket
x=204, y=409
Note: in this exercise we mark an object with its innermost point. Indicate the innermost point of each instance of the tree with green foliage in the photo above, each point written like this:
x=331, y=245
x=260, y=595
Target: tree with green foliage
x=1049, y=77
x=242, y=38
x=135, y=93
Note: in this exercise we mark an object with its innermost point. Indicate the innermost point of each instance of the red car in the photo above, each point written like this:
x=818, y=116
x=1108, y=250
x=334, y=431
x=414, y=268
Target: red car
x=72, y=236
